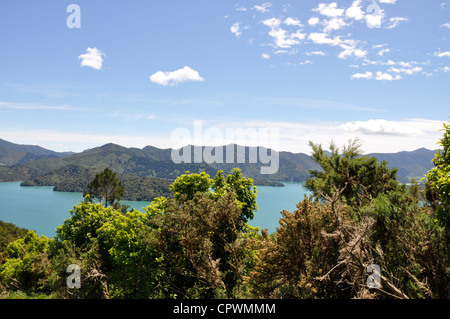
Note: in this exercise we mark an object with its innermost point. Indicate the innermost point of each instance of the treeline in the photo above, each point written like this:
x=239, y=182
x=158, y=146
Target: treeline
x=361, y=234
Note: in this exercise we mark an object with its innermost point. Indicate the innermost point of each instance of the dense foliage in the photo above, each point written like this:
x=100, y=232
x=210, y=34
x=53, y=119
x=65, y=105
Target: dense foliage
x=197, y=243
x=9, y=233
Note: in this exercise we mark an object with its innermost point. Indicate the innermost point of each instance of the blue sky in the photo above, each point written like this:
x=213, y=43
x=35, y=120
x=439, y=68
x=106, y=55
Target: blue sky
x=135, y=71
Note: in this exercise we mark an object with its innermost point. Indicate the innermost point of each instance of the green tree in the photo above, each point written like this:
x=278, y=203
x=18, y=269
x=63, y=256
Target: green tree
x=119, y=249
x=439, y=179
x=105, y=187
x=203, y=254
x=356, y=178
x=187, y=185
x=204, y=236
x=291, y=261
x=27, y=266
x=244, y=190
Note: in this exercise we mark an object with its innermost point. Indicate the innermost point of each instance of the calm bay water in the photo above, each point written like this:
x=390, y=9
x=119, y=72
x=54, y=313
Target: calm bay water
x=273, y=200
x=41, y=209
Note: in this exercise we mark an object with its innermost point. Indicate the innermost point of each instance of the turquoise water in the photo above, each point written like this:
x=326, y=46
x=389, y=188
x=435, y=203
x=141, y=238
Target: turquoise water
x=42, y=210
x=273, y=200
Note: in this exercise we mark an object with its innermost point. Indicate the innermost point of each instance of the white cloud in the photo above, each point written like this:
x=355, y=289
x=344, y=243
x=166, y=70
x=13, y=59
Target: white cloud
x=315, y=53
x=32, y=106
x=395, y=22
x=383, y=51
x=313, y=21
x=403, y=64
x=265, y=56
x=408, y=136
x=93, y=58
x=406, y=71
x=282, y=38
x=292, y=21
x=236, y=29
x=382, y=127
x=175, y=77
x=272, y=23
x=388, y=1
x=242, y=9
x=351, y=51
x=442, y=54
x=335, y=23
x=264, y=7
x=374, y=20
x=380, y=76
x=132, y=117
x=329, y=10
x=446, y=25
x=322, y=38
x=386, y=76
x=355, y=11
x=367, y=75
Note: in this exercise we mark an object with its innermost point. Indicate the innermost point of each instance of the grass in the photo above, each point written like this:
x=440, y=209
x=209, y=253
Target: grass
x=23, y=295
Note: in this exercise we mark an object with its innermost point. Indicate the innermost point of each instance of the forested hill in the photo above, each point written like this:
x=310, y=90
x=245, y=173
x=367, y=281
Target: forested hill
x=74, y=178
x=70, y=172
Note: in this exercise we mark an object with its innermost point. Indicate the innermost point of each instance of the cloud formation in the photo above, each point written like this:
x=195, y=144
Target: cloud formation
x=329, y=10
x=442, y=54
x=381, y=127
x=93, y=58
x=185, y=74
x=283, y=38
x=395, y=22
x=263, y=8
x=235, y=29
x=330, y=28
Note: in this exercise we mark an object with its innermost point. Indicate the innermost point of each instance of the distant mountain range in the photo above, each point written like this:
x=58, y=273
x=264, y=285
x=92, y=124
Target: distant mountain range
x=38, y=166
x=11, y=153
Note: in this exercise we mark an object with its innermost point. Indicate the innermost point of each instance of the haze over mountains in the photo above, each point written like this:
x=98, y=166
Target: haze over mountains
x=69, y=171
